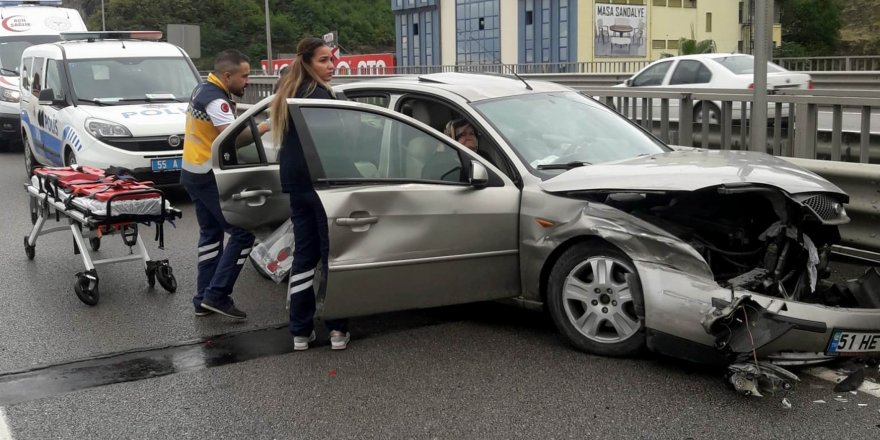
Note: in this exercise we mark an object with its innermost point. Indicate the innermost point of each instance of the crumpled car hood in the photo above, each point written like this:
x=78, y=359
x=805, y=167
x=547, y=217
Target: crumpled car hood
x=691, y=170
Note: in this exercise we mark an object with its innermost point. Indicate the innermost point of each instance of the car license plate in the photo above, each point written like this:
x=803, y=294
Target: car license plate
x=169, y=164
x=852, y=343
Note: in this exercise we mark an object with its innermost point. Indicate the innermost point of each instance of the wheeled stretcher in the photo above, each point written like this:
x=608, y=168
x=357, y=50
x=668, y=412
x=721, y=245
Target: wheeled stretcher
x=96, y=204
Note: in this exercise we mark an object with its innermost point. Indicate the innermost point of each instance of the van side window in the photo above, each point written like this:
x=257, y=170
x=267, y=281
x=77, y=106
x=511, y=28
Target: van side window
x=36, y=82
x=25, y=70
x=53, y=79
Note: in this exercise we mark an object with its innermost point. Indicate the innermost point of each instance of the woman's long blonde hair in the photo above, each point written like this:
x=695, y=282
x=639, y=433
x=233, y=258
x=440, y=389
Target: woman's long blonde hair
x=299, y=72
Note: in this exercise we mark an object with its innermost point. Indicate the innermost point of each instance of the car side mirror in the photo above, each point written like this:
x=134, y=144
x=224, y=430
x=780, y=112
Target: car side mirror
x=479, y=175
x=47, y=97
x=628, y=82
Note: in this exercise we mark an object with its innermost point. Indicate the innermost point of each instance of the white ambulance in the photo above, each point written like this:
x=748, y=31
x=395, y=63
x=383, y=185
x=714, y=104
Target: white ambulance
x=107, y=99
x=23, y=24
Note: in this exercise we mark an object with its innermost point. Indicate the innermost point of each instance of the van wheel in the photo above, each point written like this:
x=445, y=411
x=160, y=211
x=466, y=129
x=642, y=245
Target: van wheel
x=69, y=158
x=30, y=162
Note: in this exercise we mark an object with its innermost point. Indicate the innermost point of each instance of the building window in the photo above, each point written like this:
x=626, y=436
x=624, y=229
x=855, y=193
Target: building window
x=708, y=22
x=415, y=28
x=672, y=44
x=674, y=3
x=690, y=3
x=658, y=44
x=659, y=2
x=477, y=32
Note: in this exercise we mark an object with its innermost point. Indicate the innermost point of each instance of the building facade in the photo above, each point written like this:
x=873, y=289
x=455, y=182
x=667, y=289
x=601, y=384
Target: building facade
x=558, y=32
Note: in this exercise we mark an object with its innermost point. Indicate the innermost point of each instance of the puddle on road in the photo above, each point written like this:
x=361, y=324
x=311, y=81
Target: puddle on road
x=126, y=367
x=48, y=381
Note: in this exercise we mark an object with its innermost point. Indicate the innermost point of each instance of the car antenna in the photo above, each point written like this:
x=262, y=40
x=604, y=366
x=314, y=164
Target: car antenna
x=513, y=71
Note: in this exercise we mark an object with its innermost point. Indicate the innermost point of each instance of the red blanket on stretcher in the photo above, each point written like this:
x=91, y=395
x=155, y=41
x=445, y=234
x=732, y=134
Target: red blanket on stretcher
x=93, y=182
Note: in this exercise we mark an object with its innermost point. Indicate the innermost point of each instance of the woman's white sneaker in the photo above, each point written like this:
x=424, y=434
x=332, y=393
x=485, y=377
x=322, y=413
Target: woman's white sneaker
x=339, y=340
x=302, y=342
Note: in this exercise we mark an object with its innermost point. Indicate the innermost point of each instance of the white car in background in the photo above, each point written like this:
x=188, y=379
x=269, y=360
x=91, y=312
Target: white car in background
x=713, y=71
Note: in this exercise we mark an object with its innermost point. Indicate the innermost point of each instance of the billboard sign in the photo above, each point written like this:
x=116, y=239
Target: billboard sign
x=620, y=31
x=364, y=64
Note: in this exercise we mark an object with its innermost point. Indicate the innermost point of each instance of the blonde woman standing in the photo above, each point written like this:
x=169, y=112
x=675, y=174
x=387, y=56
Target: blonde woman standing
x=309, y=76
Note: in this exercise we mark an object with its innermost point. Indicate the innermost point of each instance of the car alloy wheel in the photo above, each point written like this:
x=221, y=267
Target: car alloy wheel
x=591, y=302
x=714, y=113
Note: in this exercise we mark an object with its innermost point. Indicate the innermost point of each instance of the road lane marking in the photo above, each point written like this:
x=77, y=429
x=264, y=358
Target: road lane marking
x=5, y=433
x=867, y=387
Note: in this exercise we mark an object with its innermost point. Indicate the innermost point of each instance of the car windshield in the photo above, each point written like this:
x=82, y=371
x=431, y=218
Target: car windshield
x=127, y=80
x=744, y=64
x=550, y=130
x=12, y=47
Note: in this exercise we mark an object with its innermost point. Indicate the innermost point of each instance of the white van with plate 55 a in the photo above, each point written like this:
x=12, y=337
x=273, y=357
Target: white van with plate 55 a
x=107, y=99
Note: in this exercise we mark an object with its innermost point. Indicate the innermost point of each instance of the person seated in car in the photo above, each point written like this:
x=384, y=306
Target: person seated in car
x=444, y=163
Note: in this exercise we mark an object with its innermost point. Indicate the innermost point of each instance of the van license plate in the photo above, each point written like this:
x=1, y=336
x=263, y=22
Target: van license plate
x=169, y=164
x=852, y=343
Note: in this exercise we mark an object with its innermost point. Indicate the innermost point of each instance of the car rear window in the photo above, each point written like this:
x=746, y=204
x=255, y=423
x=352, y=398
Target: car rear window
x=740, y=65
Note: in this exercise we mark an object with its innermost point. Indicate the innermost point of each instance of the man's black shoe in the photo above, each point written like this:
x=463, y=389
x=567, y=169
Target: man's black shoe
x=228, y=310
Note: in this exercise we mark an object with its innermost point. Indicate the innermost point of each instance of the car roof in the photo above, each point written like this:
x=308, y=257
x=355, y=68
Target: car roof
x=81, y=49
x=470, y=86
x=704, y=56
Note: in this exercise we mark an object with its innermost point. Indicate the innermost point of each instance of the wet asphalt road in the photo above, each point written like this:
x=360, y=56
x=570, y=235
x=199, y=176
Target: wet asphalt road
x=483, y=370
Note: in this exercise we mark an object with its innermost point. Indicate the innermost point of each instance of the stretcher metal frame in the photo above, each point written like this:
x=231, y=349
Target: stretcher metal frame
x=85, y=226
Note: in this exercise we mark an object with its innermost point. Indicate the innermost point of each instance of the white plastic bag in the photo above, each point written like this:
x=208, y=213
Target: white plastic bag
x=273, y=257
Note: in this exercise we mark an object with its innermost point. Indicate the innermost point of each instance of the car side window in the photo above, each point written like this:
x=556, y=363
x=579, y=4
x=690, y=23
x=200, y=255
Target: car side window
x=36, y=82
x=53, y=79
x=652, y=76
x=356, y=144
x=690, y=72
x=243, y=147
x=25, y=73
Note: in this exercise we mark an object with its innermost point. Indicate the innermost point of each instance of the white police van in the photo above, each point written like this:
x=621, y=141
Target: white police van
x=107, y=99
x=24, y=23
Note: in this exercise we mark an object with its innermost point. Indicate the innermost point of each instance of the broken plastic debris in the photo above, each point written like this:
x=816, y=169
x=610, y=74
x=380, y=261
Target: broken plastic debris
x=818, y=401
x=863, y=404
x=854, y=392
x=785, y=403
x=841, y=399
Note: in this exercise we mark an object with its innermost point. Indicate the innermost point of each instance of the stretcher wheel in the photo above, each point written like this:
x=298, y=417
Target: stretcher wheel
x=95, y=243
x=34, y=208
x=29, y=250
x=166, y=278
x=86, y=287
x=151, y=273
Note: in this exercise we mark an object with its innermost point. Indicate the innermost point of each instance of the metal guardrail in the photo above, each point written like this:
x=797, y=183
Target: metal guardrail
x=262, y=86
x=853, y=63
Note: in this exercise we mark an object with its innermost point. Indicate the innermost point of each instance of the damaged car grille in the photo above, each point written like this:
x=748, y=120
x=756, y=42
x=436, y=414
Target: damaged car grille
x=824, y=206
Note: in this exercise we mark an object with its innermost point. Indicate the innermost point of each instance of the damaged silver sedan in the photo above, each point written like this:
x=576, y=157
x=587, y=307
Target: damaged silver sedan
x=629, y=244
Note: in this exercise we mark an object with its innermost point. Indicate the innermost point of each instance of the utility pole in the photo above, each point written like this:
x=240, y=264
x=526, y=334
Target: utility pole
x=269, y=68
x=103, y=25
x=763, y=30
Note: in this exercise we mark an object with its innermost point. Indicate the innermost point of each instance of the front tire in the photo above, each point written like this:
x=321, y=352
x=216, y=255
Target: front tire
x=591, y=303
x=69, y=158
x=30, y=162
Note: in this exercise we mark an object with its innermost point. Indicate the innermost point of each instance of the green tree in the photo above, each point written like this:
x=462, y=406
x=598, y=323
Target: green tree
x=813, y=24
x=363, y=26
x=689, y=46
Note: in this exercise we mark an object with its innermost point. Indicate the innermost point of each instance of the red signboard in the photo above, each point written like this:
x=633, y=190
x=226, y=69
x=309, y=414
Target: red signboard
x=364, y=64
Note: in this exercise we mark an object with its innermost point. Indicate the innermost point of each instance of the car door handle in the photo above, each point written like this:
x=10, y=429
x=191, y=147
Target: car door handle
x=249, y=193
x=356, y=221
